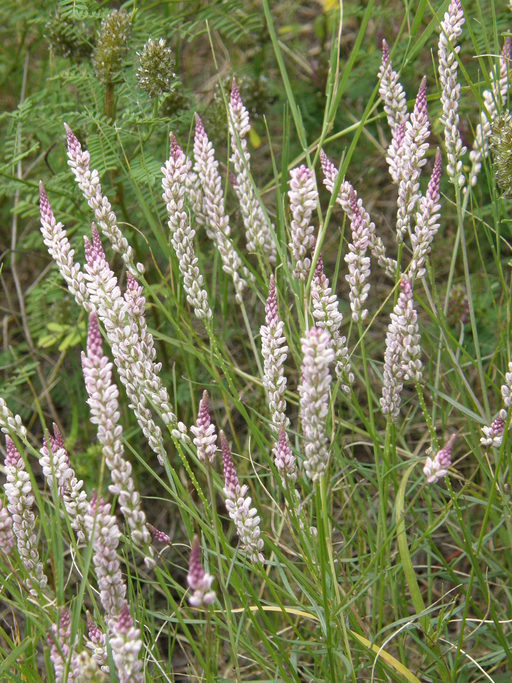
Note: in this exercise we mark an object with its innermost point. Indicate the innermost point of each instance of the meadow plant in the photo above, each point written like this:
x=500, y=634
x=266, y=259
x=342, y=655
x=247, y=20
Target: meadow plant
x=339, y=540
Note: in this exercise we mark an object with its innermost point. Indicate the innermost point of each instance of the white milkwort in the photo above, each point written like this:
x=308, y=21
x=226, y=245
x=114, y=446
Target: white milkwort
x=205, y=438
x=437, y=468
x=59, y=248
x=126, y=645
x=198, y=580
x=327, y=315
x=317, y=356
x=391, y=91
x=274, y=351
x=211, y=210
x=375, y=244
x=494, y=99
x=104, y=534
x=427, y=222
x=54, y=461
x=238, y=505
x=356, y=259
x=303, y=197
x=174, y=184
x=451, y=28
x=104, y=407
x=89, y=183
x=138, y=373
x=61, y=651
x=284, y=459
x=20, y=501
x=257, y=229
x=402, y=358
x=412, y=159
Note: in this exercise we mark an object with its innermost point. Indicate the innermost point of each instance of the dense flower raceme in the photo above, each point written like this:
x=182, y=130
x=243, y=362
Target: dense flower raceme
x=402, y=358
x=493, y=99
x=303, y=197
x=111, y=45
x=451, y=28
x=274, y=351
x=96, y=643
x=174, y=184
x=394, y=154
x=427, y=222
x=138, y=374
x=7, y=540
x=436, y=468
x=104, y=533
x=197, y=579
x=318, y=355
x=412, y=158
x=54, y=461
x=238, y=505
x=357, y=261
x=391, y=91
x=205, y=438
x=56, y=241
x=103, y=403
x=126, y=645
x=493, y=434
x=211, y=209
x=375, y=242
x=284, y=459
x=60, y=651
x=89, y=183
x=20, y=501
x=327, y=315
x=257, y=230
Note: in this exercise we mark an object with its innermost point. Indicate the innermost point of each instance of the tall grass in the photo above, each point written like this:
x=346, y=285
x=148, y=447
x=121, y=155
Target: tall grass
x=369, y=572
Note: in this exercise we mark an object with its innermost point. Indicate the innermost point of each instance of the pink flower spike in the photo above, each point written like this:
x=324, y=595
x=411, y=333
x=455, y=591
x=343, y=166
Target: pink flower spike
x=205, y=438
x=197, y=579
x=284, y=459
x=436, y=468
x=159, y=536
x=231, y=482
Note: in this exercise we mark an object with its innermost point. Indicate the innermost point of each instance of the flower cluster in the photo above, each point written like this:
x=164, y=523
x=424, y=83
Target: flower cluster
x=327, y=315
x=89, y=183
x=501, y=146
x=59, y=248
x=209, y=208
x=436, y=468
x=155, y=74
x=303, y=197
x=126, y=644
x=412, y=158
x=427, y=222
x=174, y=184
x=138, y=374
x=375, y=242
x=104, y=533
x=451, y=28
x=55, y=464
x=198, y=580
x=274, y=351
x=257, y=230
x=7, y=540
x=20, y=501
x=205, y=438
x=60, y=651
x=391, y=91
x=402, y=358
x=284, y=459
x=103, y=403
x=318, y=355
x=493, y=101
x=238, y=505
x=356, y=259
